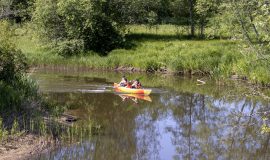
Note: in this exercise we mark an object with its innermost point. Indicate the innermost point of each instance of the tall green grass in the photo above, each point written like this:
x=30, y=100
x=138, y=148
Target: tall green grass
x=158, y=29
x=159, y=48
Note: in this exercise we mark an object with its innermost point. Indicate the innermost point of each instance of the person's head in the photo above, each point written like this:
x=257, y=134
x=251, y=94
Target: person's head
x=124, y=78
x=135, y=81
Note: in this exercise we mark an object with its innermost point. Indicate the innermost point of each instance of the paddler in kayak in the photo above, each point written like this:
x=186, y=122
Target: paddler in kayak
x=124, y=82
x=136, y=84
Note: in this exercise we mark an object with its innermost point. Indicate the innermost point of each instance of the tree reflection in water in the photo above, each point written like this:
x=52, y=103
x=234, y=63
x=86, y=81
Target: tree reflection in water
x=176, y=125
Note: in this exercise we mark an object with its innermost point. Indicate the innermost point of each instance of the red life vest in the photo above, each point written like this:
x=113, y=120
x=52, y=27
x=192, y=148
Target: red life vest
x=128, y=85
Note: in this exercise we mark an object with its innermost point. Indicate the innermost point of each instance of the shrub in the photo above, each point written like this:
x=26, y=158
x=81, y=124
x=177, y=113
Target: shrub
x=69, y=22
x=104, y=37
x=14, y=86
x=12, y=62
x=69, y=47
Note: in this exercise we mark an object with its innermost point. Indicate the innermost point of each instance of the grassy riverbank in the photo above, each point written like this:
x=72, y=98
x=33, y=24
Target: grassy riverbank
x=164, y=49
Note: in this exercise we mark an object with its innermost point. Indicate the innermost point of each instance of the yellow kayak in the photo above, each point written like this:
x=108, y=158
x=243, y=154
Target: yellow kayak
x=131, y=90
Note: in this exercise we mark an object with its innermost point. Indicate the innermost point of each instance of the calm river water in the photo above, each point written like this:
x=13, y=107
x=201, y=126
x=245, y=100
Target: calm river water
x=179, y=120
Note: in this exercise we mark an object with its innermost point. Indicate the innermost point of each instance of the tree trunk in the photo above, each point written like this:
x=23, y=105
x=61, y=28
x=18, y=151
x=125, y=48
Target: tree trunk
x=253, y=26
x=191, y=17
x=202, y=30
x=241, y=21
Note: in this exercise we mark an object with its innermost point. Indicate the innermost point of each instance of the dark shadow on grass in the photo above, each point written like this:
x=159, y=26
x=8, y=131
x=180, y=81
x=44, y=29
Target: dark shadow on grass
x=166, y=37
x=157, y=37
x=132, y=40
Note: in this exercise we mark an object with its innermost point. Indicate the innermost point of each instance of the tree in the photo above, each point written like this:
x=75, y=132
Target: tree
x=48, y=21
x=253, y=17
x=191, y=4
x=5, y=6
x=16, y=9
x=205, y=9
x=77, y=25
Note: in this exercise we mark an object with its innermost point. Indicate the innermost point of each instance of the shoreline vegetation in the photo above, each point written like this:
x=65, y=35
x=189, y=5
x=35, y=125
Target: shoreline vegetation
x=29, y=123
x=159, y=49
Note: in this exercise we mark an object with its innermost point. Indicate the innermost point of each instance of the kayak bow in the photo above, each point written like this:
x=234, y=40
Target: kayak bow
x=131, y=90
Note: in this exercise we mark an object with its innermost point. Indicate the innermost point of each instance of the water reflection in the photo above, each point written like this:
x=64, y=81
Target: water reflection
x=175, y=125
x=134, y=97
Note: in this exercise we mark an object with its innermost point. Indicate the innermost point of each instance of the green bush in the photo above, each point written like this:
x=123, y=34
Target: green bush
x=69, y=22
x=12, y=62
x=14, y=86
x=69, y=47
x=104, y=37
